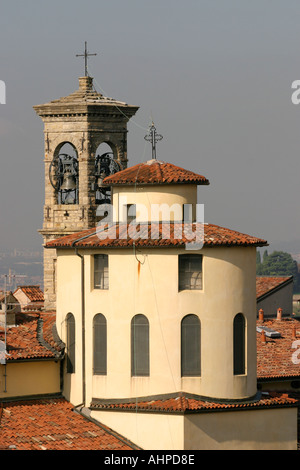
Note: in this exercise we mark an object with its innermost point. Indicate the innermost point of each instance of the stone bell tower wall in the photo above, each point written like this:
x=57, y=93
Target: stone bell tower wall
x=84, y=119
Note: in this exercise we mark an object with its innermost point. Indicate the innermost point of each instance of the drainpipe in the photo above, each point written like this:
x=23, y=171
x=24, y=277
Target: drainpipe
x=83, y=311
x=82, y=324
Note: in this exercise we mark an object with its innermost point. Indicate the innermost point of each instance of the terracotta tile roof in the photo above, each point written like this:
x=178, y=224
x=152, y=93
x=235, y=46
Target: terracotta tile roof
x=51, y=424
x=266, y=284
x=34, y=293
x=277, y=357
x=155, y=172
x=34, y=337
x=185, y=403
x=116, y=236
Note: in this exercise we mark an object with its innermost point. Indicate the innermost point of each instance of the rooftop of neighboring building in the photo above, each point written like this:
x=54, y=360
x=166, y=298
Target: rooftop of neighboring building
x=33, y=293
x=278, y=348
x=53, y=424
x=34, y=336
x=266, y=285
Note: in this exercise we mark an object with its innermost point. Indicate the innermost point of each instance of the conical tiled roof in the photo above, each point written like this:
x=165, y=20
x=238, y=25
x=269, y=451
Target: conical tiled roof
x=155, y=172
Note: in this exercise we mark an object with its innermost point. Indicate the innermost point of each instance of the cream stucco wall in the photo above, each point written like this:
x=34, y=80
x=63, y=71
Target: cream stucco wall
x=269, y=429
x=170, y=199
x=282, y=298
x=29, y=378
x=146, y=282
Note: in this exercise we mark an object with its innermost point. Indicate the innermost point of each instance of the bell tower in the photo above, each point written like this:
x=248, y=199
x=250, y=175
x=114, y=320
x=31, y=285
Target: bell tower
x=74, y=128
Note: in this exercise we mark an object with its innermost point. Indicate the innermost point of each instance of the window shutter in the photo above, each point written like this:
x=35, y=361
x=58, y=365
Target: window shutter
x=100, y=345
x=190, y=346
x=70, y=320
x=139, y=346
x=239, y=344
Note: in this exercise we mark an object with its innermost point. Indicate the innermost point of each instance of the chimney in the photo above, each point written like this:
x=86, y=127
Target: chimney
x=294, y=332
x=279, y=314
x=263, y=337
x=261, y=315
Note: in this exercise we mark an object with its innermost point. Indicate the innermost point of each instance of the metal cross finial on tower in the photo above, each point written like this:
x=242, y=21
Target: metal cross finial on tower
x=153, y=137
x=86, y=55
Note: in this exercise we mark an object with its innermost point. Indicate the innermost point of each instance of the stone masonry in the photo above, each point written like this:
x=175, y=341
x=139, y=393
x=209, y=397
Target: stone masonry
x=85, y=119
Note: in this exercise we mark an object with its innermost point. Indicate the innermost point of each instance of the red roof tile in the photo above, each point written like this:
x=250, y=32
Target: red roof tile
x=34, y=293
x=34, y=337
x=183, y=403
x=155, y=172
x=118, y=236
x=51, y=424
x=267, y=284
x=278, y=357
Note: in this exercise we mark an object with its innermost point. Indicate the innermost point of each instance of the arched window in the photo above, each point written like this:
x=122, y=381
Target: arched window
x=190, y=346
x=64, y=174
x=70, y=324
x=100, y=344
x=239, y=343
x=139, y=346
x=106, y=156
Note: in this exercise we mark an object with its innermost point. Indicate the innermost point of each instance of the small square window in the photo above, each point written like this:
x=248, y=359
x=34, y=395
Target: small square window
x=101, y=280
x=190, y=272
x=130, y=212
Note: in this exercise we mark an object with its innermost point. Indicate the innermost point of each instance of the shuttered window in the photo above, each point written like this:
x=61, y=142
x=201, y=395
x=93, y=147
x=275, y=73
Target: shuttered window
x=239, y=343
x=190, y=272
x=190, y=346
x=101, y=280
x=70, y=324
x=100, y=345
x=139, y=346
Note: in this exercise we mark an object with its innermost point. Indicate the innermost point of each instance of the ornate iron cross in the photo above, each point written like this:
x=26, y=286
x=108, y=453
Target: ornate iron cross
x=86, y=55
x=153, y=137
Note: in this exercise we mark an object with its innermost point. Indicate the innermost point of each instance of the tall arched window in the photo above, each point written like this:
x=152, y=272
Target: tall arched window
x=100, y=345
x=140, y=346
x=190, y=346
x=70, y=325
x=64, y=174
x=239, y=344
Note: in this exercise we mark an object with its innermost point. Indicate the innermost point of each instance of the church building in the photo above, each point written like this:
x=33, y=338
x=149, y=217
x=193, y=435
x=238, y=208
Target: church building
x=156, y=308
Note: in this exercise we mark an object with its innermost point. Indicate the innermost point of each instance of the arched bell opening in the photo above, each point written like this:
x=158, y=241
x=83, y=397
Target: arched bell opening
x=63, y=174
x=106, y=163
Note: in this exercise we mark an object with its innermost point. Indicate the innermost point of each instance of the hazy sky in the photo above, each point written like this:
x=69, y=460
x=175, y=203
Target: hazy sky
x=215, y=75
